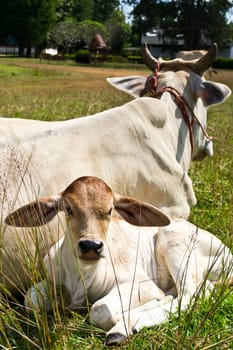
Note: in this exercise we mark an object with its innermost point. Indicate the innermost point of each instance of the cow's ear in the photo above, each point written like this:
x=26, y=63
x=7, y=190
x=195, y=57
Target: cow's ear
x=138, y=212
x=132, y=85
x=212, y=93
x=36, y=213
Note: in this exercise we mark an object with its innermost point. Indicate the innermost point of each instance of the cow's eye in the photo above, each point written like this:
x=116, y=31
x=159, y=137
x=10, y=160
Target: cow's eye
x=110, y=212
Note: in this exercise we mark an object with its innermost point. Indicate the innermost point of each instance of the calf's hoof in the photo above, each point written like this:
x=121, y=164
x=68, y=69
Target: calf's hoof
x=115, y=339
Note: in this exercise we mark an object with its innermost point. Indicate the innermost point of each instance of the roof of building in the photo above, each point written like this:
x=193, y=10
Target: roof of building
x=97, y=43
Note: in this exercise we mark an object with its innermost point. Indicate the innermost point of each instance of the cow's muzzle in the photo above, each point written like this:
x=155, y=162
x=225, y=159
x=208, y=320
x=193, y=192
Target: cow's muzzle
x=90, y=250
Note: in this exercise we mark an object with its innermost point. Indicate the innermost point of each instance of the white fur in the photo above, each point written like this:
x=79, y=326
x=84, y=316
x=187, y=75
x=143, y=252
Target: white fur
x=141, y=274
x=155, y=271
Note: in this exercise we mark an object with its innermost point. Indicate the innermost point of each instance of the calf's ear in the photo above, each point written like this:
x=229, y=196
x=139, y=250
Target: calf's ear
x=139, y=213
x=36, y=213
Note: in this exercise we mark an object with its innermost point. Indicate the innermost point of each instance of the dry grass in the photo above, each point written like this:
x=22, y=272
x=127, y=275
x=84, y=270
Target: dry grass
x=48, y=92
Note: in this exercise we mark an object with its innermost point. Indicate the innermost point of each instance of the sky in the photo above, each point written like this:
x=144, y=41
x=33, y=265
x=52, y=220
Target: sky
x=127, y=9
x=230, y=16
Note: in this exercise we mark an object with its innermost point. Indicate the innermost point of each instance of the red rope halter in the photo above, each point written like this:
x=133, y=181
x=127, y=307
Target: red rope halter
x=181, y=103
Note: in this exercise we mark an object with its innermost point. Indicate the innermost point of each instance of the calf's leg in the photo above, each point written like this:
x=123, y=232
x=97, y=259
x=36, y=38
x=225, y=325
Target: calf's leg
x=38, y=297
x=115, y=308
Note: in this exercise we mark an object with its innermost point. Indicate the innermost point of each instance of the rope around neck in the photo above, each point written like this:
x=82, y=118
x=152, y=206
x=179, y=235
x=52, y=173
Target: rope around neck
x=180, y=102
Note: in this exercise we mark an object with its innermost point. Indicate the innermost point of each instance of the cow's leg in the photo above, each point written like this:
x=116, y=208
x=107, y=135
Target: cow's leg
x=38, y=297
x=113, y=308
x=189, y=193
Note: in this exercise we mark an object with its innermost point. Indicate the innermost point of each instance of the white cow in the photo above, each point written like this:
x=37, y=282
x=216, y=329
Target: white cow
x=141, y=148
x=133, y=277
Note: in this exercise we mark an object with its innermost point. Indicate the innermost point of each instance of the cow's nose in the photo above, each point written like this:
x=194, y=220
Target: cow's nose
x=86, y=245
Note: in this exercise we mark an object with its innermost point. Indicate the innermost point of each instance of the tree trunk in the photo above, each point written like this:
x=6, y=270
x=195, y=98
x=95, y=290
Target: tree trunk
x=29, y=51
x=21, y=49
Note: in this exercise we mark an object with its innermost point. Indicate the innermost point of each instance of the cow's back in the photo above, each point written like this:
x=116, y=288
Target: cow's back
x=132, y=148
x=42, y=157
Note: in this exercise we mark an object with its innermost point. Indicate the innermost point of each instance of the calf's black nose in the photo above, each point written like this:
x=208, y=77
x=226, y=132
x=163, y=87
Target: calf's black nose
x=86, y=245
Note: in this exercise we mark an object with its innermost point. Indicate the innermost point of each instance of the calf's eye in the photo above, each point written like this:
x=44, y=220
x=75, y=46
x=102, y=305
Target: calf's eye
x=69, y=211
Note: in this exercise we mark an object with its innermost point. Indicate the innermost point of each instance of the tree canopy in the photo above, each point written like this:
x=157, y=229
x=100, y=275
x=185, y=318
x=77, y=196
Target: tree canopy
x=199, y=21
x=29, y=22
x=65, y=34
x=81, y=10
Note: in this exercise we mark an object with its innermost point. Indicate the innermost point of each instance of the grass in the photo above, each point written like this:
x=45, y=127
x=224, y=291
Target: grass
x=48, y=92
x=213, y=178
x=34, y=89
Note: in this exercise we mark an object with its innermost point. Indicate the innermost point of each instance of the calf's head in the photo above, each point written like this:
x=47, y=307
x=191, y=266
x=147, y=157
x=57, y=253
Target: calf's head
x=87, y=203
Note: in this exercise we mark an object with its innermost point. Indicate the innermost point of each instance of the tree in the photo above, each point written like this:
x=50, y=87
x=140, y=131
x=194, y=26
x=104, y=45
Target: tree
x=119, y=31
x=87, y=30
x=84, y=10
x=103, y=10
x=199, y=21
x=81, y=10
x=66, y=34
x=64, y=9
x=202, y=22
x=148, y=14
x=94, y=16
x=28, y=21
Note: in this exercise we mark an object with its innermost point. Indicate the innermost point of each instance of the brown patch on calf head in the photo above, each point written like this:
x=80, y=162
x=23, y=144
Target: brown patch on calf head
x=89, y=194
x=88, y=202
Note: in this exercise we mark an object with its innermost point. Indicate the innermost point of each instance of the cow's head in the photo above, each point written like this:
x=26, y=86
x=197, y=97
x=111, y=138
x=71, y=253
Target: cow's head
x=88, y=203
x=186, y=75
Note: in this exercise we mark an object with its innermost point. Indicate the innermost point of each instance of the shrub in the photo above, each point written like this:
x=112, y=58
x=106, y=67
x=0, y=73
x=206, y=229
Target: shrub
x=136, y=51
x=222, y=62
x=135, y=59
x=82, y=56
x=119, y=59
x=69, y=56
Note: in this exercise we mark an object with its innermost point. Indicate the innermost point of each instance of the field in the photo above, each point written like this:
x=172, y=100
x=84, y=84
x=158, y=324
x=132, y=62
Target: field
x=38, y=90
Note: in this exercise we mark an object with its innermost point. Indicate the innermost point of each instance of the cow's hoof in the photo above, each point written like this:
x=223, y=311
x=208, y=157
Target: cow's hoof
x=115, y=339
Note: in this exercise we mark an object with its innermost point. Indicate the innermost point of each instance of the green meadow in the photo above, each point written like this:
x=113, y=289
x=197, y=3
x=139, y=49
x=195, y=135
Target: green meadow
x=49, y=91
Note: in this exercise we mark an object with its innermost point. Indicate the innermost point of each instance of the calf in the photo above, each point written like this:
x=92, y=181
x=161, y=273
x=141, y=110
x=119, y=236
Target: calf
x=132, y=275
